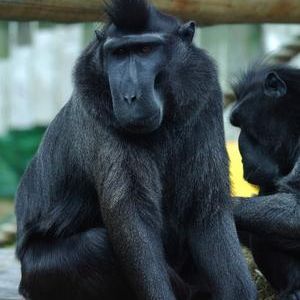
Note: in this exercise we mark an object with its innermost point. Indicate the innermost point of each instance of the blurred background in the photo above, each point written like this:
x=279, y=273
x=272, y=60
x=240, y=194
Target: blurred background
x=36, y=60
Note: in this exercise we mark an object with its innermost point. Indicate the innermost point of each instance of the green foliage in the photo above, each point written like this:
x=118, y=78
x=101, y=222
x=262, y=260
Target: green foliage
x=16, y=150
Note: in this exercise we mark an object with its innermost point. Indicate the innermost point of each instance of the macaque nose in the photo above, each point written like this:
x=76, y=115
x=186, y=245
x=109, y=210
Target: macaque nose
x=130, y=99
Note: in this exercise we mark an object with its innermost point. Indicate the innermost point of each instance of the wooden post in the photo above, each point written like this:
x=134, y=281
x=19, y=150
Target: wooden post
x=203, y=11
x=4, y=44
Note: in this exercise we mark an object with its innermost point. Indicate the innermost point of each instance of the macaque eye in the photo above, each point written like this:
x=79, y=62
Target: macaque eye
x=146, y=49
x=119, y=51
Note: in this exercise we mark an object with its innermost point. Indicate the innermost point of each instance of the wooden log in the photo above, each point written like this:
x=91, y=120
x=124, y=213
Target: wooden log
x=205, y=12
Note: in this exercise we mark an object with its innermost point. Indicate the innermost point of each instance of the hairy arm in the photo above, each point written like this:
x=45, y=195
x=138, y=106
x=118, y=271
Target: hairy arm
x=213, y=239
x=275, y=215
x=131, y=212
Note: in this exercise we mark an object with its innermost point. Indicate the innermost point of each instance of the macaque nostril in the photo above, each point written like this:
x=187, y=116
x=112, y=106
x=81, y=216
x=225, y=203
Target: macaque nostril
x=130, y=99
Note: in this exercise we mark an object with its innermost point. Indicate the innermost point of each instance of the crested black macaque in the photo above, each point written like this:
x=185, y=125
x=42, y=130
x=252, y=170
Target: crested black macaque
x=268, y=113
x=128, y=194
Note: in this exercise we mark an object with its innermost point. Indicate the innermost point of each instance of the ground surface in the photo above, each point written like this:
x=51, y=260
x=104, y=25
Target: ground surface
x=10, y=277
x=263, y=288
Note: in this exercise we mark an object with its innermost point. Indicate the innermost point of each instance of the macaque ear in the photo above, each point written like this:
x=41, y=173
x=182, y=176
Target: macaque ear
x=187, y=31
x=274, y=86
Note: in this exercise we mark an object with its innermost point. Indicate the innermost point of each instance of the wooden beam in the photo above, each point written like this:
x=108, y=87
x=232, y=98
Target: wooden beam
x=205, y=12
x=52, y=10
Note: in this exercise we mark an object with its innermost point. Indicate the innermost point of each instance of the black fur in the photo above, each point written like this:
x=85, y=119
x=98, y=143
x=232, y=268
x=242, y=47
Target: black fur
x=129, y=14
x=105, y=213
x=268, y=113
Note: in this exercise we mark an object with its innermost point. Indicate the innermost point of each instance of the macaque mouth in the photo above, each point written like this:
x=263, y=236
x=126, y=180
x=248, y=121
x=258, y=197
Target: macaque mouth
x=147, y=120
x=145, y=125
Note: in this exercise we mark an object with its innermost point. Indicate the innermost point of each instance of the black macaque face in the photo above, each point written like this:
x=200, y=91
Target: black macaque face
x=256, y=100
x=134, y=64
x=258, y=113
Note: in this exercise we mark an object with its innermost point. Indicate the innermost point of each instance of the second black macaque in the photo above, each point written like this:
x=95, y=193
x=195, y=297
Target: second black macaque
x=268, y=113
x=128, y=195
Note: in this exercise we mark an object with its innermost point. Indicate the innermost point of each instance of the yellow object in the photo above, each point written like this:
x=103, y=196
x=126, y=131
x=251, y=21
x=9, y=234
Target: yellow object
x=239, y=187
